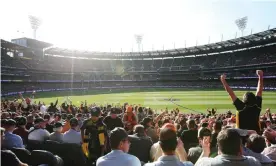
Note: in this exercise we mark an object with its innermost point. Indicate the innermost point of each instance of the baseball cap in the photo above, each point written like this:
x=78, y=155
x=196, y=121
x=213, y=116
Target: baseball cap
x=204, y=132
x=95, y=111
x=38, y=120
x=58, y=125
x=74, y=122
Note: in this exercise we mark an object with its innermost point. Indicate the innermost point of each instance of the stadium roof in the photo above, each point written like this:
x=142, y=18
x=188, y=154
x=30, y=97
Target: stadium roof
x=254, y=40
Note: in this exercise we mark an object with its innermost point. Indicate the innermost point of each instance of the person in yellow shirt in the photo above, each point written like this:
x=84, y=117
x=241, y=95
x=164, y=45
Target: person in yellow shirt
x=93, y=133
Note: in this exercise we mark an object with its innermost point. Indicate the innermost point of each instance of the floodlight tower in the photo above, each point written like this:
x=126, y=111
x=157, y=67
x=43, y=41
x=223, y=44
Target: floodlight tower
x=241, y=23
x=139, y=39
x=35, y=23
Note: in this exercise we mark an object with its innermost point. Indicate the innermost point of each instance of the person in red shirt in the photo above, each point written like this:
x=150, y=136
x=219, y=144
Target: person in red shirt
x=21, y=129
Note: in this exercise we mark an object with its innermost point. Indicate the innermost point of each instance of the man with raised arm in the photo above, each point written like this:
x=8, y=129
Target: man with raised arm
x=248, y=110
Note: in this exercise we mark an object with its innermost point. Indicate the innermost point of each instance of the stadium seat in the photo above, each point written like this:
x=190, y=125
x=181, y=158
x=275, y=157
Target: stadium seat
x=39, y=157
x=23, y=154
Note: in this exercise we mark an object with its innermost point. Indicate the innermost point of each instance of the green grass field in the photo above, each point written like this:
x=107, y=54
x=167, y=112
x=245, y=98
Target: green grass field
x=155, y=98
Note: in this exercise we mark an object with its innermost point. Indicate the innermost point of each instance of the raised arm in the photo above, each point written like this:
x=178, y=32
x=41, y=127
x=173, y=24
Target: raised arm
x=56, y=103
x=227, y=87
x=260, y=87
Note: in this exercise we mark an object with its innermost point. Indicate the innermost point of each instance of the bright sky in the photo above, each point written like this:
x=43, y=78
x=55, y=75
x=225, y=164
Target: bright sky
x=104, y=25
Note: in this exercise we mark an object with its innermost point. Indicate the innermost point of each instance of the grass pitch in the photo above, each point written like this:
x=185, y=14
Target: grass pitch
x=158, y=99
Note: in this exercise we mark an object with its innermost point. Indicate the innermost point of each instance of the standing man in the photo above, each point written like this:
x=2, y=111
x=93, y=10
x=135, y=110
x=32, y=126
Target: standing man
x=93, y=134
x=248, y=110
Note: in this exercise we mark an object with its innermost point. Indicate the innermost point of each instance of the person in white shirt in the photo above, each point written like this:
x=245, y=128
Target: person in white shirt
x=118, y=156
x=38, y=132
x=72, y=135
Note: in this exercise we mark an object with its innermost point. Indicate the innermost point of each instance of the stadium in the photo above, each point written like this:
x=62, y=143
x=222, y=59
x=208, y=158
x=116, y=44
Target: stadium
x=70, y=98
x=189, y=75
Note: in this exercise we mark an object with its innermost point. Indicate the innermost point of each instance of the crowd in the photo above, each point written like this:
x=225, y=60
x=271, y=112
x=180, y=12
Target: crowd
x=133, y=135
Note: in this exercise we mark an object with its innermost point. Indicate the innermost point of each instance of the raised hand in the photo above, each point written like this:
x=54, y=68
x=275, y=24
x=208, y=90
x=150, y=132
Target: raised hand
x=223, y=77
x=259, y=72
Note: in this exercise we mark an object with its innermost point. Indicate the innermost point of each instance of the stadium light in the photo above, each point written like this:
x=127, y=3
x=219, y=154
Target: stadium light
x=35, y=23
x=241, y=23
x=139, y=39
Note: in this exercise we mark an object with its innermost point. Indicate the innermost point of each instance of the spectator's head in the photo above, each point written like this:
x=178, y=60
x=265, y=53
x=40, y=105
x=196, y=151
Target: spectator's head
x=168, y=140
x=129, y=110
x=51, y=104
x=30, y=119
x=217, y=126
x=95, y=113
x=47, y=117
x=68, y=117
x=249, y=99
x=21, y=121
x=74, y=123
x=191, y=124
x=113, y=113
x=10, y=125
x=139, y=130
x=194, y=154
x=79, y=116
x=3, y=123
x=119, y=139
x=57, y=117
x=256, y=143
x=58, y=126
x=204, y=133
x=204, y=124
x=147, y=122
x=229, y=142
x=39, y=123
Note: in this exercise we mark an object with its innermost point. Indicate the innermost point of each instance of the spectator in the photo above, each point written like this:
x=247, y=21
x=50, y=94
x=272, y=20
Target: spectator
x=21, y=129
x=168, y=142
x=7, y=156
x=140, y=139
x=79, y=118
x=156, y=150
x=256, y=144
x=72, y=135
x=30, y=122
x=57, y=135
x=193, y=154
x=53, y=107
x=38, y=132
x=66, y=126
x=250, y=108
x=189, y=137
x=216, y=129
x=118, y=156
x=49, y=127
x=57, y=118
x=150, y=130
x=270, y=151
x=129, y=119
x=111, y=121
x=229, y=150
x=12, y=140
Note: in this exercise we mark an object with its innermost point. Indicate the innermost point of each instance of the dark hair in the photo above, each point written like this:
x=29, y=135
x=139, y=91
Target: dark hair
x=256, y=143
x=205, y=124
x=57, y=115
x=194, y=154
x=218, y=125
x=47, y=116
x=229, y=142
x=249, y=99
x=21, y=121
x=191, y=124
x=117, y=135
x=139, y=129
x=168, y=140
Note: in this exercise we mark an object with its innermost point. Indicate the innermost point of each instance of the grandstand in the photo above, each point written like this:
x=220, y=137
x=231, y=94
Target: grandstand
x=29, y=65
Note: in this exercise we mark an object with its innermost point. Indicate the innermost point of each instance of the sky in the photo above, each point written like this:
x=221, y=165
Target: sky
x=110, y=25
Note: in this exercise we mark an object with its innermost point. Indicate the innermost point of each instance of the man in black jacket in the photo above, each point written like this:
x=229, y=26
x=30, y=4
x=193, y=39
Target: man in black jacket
x=140, y=144
x=53, y=107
